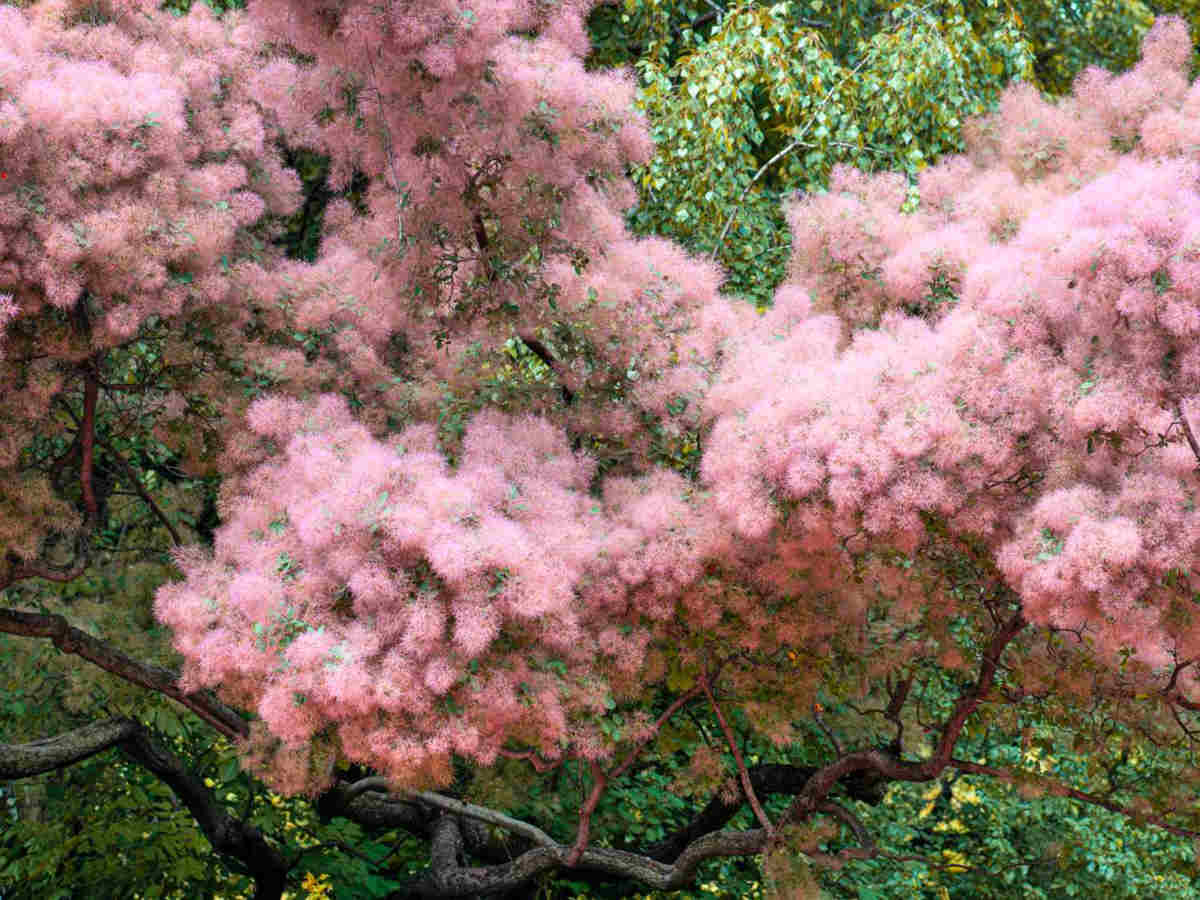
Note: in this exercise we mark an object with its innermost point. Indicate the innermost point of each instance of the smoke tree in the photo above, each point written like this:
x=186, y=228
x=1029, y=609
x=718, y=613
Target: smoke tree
x=464, y=516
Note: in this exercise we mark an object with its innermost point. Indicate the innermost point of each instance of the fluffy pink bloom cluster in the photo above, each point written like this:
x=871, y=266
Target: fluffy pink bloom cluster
x=133, y=154
x=1044, y=408
x=134, y=161
x=423, y=609
x=496, y=131
x=1018, y=359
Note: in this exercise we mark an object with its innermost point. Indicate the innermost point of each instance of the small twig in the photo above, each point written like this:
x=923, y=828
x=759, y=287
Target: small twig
x=816, y=713
x=142, y=493
x=794, y=144
x=87, y=440
x=1187, y=430
x=743, y=775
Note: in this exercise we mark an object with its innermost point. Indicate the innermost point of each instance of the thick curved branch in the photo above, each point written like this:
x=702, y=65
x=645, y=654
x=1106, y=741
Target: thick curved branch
x=367, y=802
x=888, y=764
x=767, y=779
x=517, y=858
x=229, y=836
x=62, y=750
x=242, y=842
x=69, y=639
x=459, y=807
x=447, y=878
x=455, y=839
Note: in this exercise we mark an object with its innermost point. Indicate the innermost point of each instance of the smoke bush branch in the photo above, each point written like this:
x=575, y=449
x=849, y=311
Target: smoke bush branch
x=241, y=842
x=1060, y=790
x=69, y=639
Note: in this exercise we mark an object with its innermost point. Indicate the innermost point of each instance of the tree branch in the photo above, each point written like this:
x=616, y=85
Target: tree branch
x=887, y=764
x=459, y=807
x=1061, y=790
x=141, y=491
x=743, y=775
x=767, y=779
x=69, y=639
x=794, y=144
x=241, y=842
x=62, y=750
x=453, y=880
x=1187, y=430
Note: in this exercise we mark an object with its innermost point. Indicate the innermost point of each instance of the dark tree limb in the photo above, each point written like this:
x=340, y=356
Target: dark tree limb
x=367, y=802
x=447, y=878
x=62, y=750
x=767, y=779
x=459, y=807
x=241, y=842
x=69, y=639
x=454, y=839
x=229, y=836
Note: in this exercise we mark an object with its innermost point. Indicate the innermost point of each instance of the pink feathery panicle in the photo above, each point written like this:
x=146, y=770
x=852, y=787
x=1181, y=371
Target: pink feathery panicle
x=442, y=569
x=103, y=108
x=1067, y=349
x=112, y=210
x=403, y=568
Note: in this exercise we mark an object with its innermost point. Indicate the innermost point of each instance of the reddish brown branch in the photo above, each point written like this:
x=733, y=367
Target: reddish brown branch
x=1061, y=790
x=540, y=765
x=659, y=723
x=17, y=569
x=743, y=775
x=817, y=789
x=601, y=780
x=71, y=640
x=599, y=783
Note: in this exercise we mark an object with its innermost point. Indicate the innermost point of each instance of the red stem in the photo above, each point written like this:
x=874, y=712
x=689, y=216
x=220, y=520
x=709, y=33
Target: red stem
x=585, y=815
x=743, y=775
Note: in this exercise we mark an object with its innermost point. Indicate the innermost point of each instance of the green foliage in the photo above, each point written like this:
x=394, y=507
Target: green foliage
x=181, y=7
x=772, y=95
x=985, y=839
